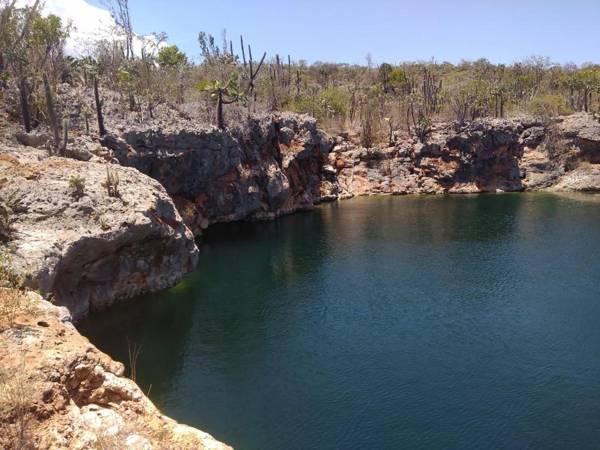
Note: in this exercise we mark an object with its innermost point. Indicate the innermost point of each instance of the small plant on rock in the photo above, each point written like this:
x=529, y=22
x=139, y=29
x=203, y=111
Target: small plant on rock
x=8, y=277
x=112, y=182
x=77, y=186
x=8, y=203
x=422, y=128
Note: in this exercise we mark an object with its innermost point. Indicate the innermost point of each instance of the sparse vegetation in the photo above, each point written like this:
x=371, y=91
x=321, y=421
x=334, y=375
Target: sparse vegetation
x=8, y=278
x=111, y=183
x=133, y=350
x=13, y=300
x=16, y=399
x=12, y=303
x=8, y=203
x=223, y=93
x=77, y=186
x=354, y=98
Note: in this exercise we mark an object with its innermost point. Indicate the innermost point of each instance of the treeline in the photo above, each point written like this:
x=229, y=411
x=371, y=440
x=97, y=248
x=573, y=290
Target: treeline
x=233, y=80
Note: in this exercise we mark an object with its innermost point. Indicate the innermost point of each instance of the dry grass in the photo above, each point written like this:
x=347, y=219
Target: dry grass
x=13, y=303
x=16, y=399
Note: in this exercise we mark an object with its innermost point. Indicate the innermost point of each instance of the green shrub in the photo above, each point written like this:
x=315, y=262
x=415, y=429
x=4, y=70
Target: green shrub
x=548, y=106
x=77, y=186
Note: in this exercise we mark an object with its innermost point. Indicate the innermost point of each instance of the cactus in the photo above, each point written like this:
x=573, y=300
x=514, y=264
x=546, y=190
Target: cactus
x=112, y=182
x=99, y=103
x=251, y=72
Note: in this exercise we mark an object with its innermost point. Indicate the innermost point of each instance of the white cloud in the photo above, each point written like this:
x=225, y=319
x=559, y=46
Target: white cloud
x=89, y=24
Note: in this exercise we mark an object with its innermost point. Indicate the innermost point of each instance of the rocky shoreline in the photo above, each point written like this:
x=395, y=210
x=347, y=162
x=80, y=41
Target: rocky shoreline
x=65, y=393
x=85, y=247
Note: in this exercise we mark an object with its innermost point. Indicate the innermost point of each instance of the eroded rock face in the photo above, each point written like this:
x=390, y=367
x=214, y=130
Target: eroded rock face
x=493, y=155
x=87, y=251
x=281, y=164
x=273, y=166
x=63, y=393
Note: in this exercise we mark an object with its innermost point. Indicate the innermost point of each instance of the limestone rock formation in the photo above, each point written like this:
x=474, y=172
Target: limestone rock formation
x=490, y=155
x=57, y=391
x=89, y=249
x=272, y=166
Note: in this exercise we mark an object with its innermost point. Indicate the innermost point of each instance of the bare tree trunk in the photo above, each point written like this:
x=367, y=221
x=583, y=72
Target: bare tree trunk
x=220, y=118
x=572, y=98
x=65, y=136
x=51, y=112
x=2, y=69
x=132, y=105
x=24, y=97
x=101, y=129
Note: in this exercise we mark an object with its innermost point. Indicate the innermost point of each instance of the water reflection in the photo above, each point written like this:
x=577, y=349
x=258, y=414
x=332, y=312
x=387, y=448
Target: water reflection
x=417, y=322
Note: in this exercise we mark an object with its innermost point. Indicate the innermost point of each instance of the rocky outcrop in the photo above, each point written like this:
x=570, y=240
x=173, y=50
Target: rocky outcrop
x=283, y=163
x=57, y=391
x=272, y=166
x=87, y=250
x=493, y=155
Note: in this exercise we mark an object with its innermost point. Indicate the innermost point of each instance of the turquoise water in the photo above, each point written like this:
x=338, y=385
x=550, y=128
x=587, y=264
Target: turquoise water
x=383, y=323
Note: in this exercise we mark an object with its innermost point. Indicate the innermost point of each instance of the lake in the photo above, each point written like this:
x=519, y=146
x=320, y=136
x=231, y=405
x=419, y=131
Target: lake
x=461, y=322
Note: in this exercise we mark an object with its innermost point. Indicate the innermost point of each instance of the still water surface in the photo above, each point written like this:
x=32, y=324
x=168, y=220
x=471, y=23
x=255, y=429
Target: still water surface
x=383, y=323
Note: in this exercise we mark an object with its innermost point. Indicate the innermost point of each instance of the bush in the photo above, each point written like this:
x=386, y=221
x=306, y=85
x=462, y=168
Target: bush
x=547, y=106
x=77, y=186
x=334, y=101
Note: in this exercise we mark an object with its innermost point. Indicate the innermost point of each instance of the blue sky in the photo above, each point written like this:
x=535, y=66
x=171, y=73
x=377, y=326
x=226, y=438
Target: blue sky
x=392, y=31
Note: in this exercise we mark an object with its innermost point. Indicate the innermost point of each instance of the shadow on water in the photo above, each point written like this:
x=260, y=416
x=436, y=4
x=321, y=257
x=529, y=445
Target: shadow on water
x=233, y=289
x=412, y=322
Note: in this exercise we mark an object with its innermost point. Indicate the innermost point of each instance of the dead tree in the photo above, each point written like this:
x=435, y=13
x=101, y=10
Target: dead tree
x=120, y=12
x=66, y=125
x=24, y=101
x=18, y=60
x=273, y=77
x=51, y=112
x=289, y=81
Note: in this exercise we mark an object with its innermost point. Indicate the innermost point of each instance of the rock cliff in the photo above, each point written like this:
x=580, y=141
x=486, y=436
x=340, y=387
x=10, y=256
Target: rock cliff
x=272, y=166
x=282, y=163
x=86, y=250
x=493, y=155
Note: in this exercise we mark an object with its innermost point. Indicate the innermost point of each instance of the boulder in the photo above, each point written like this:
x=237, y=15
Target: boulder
x=532, y=137
x=37, y=140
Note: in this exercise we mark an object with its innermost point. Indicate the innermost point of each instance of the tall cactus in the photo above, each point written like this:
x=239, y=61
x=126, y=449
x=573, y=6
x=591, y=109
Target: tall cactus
x=101, y=128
